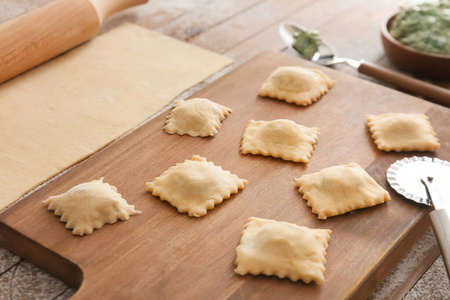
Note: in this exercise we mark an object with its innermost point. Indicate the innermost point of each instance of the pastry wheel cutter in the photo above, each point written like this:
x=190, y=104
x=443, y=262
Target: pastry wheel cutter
x=426, y=181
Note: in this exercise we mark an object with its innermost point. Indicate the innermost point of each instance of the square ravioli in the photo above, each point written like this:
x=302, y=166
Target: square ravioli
x=89, y=206
x=195, y=186
x=196, y=117
x=280, y=138
x=337, y=190
x=282, y=249
x=402, y=132
x=295, y=84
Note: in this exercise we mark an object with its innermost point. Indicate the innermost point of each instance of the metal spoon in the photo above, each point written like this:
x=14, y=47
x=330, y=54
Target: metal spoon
x=327, y=56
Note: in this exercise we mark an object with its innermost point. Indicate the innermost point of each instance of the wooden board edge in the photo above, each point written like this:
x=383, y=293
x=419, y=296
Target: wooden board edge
x=415, y=275
x=369, y=284
x=391, y=258
x=40, y=256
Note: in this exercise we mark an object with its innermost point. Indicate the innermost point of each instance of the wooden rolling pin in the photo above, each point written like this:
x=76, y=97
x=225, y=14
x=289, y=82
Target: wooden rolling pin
x=46, y=32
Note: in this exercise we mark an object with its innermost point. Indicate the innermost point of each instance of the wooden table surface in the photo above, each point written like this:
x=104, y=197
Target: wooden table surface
x=241, y=29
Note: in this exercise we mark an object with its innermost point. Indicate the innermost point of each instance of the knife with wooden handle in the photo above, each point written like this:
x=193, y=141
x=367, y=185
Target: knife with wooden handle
x=46, y=32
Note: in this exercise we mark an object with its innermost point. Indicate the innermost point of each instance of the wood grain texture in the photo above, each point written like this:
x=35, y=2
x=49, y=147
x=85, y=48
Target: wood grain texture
x=195, y=22
x=164, y=254
x=106, y=8
x=419, y=258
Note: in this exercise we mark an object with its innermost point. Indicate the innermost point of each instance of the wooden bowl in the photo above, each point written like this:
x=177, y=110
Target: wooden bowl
x=434, y=66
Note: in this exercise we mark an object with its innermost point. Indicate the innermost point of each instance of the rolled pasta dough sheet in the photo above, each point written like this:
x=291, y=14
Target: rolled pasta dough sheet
x=68, y=108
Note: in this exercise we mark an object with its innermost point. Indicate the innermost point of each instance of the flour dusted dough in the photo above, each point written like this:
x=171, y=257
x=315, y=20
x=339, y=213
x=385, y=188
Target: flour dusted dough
x=89, y=206
x=340, y=189
x=296, y=84
x=196, y=117
x=66, y=109
x=195, y=186
x=283, y=249
x=403, y=132
x=280, y=138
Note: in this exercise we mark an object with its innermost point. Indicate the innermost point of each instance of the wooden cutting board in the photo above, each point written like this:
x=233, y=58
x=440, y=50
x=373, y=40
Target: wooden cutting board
x=163, y=254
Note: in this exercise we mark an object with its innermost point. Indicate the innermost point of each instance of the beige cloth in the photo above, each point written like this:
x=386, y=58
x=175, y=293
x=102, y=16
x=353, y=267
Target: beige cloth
x=61, y=112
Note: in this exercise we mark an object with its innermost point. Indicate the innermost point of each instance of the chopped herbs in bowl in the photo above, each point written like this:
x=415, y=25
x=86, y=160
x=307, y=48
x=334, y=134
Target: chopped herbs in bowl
x=424, y=27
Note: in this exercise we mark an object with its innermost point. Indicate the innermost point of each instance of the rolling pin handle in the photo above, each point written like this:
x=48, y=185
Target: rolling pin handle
x=63, y=24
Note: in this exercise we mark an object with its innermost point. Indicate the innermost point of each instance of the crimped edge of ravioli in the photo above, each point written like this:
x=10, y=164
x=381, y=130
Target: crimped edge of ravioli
x=291, y=97
x=255, y=270
x=377, y=136
x=245, y=148
x=210, y=204
x=212, y=128
x=326, y=213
